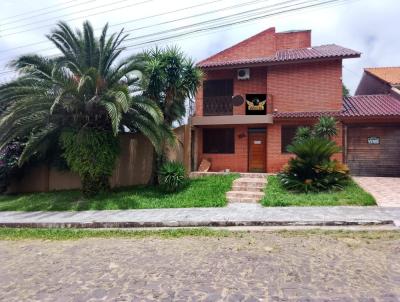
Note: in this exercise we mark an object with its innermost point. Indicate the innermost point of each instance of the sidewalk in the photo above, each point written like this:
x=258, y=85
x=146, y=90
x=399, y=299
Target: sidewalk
x=232, y=215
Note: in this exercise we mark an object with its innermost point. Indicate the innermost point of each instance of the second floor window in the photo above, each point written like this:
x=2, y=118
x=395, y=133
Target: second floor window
x=217, y=97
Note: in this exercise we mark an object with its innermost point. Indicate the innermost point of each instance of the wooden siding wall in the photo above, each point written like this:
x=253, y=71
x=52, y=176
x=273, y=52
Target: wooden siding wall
x=373, y=160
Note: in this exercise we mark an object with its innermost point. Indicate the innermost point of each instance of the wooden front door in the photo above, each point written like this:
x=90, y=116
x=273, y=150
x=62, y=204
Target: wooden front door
x=257, y=150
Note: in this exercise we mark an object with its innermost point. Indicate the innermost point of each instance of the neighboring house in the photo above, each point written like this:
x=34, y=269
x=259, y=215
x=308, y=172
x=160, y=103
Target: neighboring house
x=373, y=123
x=379, y=80
x=256, y=93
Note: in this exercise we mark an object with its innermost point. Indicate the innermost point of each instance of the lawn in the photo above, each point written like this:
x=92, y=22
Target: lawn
x=75, y=234
x=207, y=191
x=277, y=196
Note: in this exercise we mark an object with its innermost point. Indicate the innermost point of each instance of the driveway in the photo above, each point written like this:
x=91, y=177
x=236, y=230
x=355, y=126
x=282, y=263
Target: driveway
x=258, y=266
x=386, y=190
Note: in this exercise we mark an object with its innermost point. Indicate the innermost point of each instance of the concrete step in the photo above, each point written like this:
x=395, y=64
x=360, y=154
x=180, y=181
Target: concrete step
x=254, y=187
x=242, y=200
x=250, y=182
x=253, y=175
x=244, y=194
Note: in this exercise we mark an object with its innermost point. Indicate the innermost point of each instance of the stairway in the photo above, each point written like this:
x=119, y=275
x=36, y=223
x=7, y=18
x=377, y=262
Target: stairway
x=249, y=188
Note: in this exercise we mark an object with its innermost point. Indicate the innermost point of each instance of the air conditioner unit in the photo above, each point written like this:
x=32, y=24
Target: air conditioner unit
x=243, y=74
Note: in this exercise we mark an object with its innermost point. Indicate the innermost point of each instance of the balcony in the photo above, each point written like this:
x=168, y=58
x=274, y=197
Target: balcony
x=217, y=105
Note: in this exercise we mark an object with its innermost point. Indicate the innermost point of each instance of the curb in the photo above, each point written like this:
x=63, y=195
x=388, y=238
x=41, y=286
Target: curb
x=135, y=224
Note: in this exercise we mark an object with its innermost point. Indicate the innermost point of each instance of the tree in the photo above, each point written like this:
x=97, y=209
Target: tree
x=345, y=91
x=170, y=79
x=83, y=89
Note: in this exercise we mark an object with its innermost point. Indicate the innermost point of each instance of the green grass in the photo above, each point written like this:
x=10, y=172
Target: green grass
x=277, y=196
x=201, y=192
x=75, y=234
x=55, y=234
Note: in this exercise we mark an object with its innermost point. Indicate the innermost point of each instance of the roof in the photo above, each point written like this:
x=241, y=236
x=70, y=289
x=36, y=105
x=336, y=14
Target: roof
x=378, y=105
x=307, y=114
x=330, y=51
x=390, y=75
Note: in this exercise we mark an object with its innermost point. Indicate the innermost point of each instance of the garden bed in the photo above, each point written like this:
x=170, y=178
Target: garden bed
x=277, y=196
x=201, y=192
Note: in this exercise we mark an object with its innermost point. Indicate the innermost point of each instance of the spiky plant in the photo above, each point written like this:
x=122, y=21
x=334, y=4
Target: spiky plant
x=312, y=169
x=326, y=127
x=85, y=87
x=170, y=79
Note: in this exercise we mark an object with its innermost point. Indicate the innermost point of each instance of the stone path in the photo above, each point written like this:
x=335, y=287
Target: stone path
x=248, y=188
x=235, y=214
x=386, y=190
x=290, y=266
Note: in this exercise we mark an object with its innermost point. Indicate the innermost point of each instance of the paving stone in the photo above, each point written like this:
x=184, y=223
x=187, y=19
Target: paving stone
x=204, y=269
x=386, y=190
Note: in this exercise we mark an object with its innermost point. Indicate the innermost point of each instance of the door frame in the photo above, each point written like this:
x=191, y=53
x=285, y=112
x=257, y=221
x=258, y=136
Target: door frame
x=257, y=130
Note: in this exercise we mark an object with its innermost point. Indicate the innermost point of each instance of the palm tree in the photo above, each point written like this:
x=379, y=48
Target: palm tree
x=170, y=79
x=83, y=88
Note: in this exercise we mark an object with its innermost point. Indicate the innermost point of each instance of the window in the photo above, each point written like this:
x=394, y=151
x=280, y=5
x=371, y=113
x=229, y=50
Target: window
x=217, y=97
x=287, y=135
x=212, y=88
x=221, y=140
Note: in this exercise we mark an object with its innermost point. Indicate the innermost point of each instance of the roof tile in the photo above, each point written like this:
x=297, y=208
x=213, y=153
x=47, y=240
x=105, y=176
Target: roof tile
x=316, y=52
x=390, y=75
x=380, y=105
x=371, y=106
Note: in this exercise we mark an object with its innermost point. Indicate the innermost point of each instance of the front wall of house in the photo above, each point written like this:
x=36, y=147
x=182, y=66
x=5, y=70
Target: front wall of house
x=237, y=161
x=306, y=87
x=274, y=159
x=293, y=87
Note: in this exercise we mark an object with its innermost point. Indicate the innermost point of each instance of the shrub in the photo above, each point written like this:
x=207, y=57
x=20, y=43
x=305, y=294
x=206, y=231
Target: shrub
x=92, y=154
x=312, y=170
x=172, y=176
x=9, y=156
x=326, y=127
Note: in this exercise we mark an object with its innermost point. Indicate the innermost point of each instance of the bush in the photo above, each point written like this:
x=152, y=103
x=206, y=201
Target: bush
x=92, y=154
x=9, y=156
x=172, y=176
x=312, y=170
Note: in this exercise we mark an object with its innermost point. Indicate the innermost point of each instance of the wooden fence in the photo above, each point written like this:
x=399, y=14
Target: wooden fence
x=133, y=167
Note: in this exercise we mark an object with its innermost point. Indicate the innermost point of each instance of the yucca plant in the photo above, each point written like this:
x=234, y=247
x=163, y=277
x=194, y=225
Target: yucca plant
x=172, y=176
x=170, y=79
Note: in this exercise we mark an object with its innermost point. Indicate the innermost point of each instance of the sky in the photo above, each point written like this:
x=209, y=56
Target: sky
x=368, y=26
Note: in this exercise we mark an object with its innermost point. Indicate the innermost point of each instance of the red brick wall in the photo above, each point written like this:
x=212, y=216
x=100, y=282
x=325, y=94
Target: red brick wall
x=237, y=162
x=260, y=45
x=306, y=87
x=211, y=75
x=289, y=40
x=275, y=159
x=264, y=44
x=256, y=84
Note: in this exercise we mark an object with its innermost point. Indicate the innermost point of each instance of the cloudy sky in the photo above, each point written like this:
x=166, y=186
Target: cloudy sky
x=369, y=26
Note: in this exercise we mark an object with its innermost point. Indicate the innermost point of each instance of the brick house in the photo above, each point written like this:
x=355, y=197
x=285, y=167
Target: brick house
x=257, y=92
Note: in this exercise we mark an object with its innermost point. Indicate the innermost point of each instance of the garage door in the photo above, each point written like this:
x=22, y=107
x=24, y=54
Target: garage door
x=373, y=151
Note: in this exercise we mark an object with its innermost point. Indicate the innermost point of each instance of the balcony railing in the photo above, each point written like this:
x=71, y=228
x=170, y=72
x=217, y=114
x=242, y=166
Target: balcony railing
x=219, y=105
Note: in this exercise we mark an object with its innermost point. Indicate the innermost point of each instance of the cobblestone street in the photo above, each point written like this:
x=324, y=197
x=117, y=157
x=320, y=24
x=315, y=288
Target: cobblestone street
x=260, y=266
